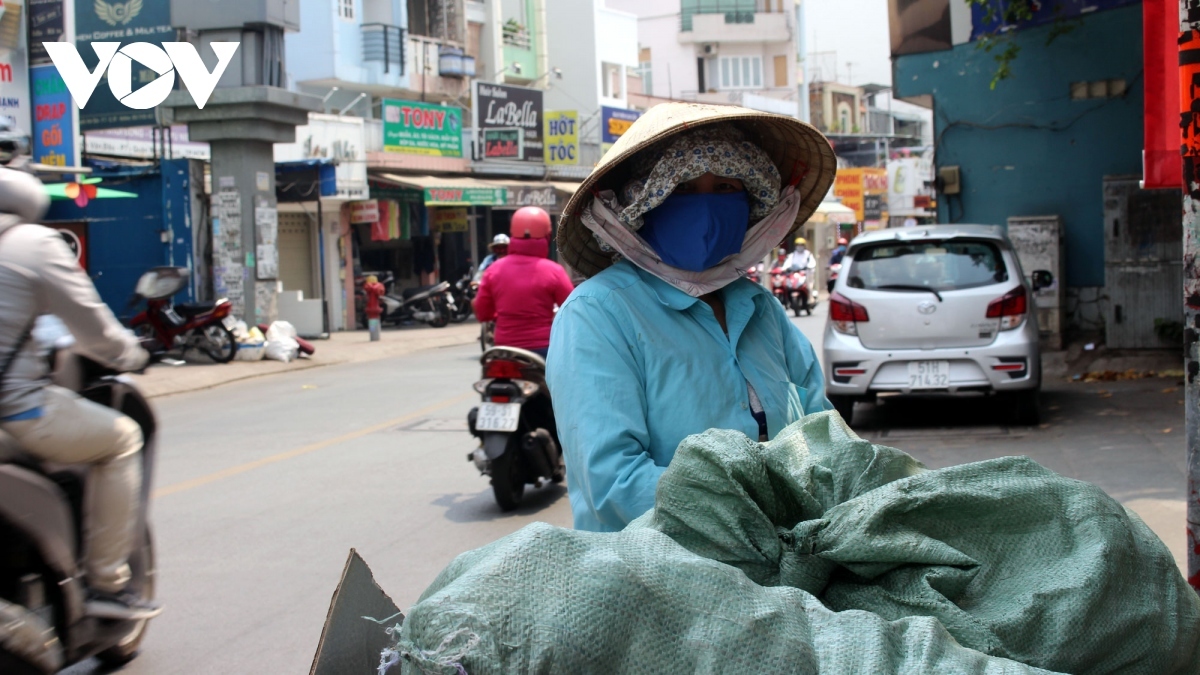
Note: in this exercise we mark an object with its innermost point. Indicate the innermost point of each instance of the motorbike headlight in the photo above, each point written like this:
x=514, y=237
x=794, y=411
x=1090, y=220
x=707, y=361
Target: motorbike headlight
x=527, y=388
x=482, y=385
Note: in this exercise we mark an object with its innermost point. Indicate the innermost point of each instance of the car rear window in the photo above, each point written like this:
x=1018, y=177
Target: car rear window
x=938, y=265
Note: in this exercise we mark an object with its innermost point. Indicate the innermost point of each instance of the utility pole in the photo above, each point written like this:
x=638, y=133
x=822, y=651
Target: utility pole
x=1189, y=80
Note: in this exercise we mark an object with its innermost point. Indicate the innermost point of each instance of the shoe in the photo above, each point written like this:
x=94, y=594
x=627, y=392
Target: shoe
x=121, y=606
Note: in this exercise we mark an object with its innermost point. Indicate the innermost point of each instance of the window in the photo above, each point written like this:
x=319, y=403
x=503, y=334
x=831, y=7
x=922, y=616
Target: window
x=346, y=9
x=613, y=75
x=741, y=72
x=1115, y=88
x=937, y=265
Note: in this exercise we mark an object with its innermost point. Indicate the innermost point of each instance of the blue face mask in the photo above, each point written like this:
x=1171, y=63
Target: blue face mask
x=695, y=232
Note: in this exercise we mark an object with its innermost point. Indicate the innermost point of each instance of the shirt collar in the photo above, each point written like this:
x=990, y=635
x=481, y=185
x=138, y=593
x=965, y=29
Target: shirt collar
x=666, y=293
x=678, y=300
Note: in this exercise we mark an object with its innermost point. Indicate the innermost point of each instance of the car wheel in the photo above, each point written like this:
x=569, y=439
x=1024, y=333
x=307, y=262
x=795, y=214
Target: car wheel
x=844, y=406
x=1024, y=408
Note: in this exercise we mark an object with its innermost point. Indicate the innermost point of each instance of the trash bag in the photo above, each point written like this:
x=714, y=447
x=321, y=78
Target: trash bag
x=252, y=344
x=281, y=342
x=821, y=553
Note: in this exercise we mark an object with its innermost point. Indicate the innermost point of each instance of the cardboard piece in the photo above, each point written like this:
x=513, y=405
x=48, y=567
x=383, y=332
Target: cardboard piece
x=355, y=627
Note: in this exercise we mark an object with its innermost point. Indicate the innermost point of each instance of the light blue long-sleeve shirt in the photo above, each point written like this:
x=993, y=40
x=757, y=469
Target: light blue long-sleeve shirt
x=636, y=365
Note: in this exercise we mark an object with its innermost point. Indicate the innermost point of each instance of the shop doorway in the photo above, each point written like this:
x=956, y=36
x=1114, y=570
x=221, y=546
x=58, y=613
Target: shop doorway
x=296, y=254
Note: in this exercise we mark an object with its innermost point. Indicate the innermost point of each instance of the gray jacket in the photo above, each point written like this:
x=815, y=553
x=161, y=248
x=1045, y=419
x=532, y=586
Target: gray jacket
x=39, y=275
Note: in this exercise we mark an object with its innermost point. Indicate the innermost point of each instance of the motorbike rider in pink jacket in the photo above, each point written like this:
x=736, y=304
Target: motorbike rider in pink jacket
x=520, y=291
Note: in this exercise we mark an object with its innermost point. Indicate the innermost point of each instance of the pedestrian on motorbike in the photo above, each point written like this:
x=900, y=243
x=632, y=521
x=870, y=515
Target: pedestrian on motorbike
x=498, y=248
x=801, y=259
x=40, y=275
x=835, y=258
x=521, y=290
x=665, y=338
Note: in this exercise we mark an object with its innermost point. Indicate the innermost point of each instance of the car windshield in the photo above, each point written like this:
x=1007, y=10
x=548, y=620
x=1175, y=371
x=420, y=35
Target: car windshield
x=932, y=265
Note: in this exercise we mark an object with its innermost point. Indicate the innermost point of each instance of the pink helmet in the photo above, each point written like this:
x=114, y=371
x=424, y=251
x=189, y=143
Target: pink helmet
x=530, y=222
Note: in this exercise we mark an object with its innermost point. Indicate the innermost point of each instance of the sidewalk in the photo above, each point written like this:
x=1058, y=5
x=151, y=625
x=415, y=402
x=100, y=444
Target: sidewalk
x=345, y=347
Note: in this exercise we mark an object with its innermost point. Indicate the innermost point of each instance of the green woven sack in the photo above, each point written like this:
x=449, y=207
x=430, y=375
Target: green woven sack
x=821, y=553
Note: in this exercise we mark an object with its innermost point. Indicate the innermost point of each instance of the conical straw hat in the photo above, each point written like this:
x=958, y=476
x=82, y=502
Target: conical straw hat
x=797, y=149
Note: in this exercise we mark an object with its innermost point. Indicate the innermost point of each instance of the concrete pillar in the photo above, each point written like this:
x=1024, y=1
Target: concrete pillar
x=242, y=124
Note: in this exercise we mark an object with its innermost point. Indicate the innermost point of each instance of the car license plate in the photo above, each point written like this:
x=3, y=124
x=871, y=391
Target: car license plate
x=929, y=374
x=498, y=417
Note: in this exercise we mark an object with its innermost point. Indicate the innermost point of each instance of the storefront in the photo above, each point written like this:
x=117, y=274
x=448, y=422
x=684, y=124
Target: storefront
x=324, y=170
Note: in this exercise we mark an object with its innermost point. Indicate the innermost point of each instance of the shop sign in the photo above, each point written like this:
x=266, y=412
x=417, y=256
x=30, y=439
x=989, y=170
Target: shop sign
x=853, y=185
x=872, y=207
x=132, y=21
x=75, y=234
x=46, y=23
x=14, y=84
x=562, y=137
x=516, y=110
x=614, y=122
x=341, y=139
x=415, y=128
x=471, y=196
x=53, y=118
x=503, y=143
x=145, y=143
x=532, y=196
x=453, y=219
x=366, y=211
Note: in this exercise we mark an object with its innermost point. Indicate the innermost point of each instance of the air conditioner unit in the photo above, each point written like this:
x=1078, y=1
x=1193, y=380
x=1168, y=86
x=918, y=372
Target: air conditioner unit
x=710, y=49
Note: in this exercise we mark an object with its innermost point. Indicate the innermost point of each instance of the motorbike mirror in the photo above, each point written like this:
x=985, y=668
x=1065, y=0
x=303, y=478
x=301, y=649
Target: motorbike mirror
x=1042, y=279
x=161, y=282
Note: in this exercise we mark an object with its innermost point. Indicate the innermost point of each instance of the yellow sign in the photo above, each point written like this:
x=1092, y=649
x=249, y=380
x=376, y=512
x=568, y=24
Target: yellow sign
x=853, y=186
x=453, y=219
x=562, y=136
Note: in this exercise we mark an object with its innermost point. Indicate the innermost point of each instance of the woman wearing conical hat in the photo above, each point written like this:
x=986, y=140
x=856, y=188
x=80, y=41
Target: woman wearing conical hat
x=666, y=338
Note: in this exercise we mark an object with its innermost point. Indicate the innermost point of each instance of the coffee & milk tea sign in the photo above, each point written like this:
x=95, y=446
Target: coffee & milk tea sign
x=509, y=122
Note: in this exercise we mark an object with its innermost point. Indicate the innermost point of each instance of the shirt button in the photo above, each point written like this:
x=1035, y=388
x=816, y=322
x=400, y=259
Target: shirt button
x=743, y=405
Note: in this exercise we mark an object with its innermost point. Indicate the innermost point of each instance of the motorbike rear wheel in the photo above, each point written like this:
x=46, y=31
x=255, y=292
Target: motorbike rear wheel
x=507, y=483
x=218, y=342
x=124, y=651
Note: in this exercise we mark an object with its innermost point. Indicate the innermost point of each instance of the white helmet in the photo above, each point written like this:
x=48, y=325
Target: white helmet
x=499, y=240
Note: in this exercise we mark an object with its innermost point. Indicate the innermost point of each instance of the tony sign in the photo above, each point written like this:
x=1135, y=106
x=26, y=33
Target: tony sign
x=167, y=60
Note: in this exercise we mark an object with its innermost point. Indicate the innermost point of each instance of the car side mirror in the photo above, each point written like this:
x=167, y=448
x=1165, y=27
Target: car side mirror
x=1042, y=279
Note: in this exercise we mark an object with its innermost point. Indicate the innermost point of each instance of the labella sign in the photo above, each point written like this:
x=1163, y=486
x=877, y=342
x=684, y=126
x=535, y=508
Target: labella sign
x=172, y=57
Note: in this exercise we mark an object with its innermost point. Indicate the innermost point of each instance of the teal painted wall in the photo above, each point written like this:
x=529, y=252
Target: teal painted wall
x=1026, y=148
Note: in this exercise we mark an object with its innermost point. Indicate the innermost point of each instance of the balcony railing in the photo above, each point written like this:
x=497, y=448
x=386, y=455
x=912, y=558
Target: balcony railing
x=735, y=11
x=383, y=43
x=517, y=39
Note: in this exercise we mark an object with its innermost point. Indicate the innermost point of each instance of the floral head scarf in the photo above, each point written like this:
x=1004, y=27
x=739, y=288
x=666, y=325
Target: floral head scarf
x=721, y=150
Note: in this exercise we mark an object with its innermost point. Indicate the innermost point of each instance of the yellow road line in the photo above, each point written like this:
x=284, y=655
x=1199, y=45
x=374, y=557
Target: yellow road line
x=291, y=454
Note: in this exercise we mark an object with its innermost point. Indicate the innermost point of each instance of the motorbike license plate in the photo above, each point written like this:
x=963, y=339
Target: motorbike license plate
x=929, y=374
x=498, y=417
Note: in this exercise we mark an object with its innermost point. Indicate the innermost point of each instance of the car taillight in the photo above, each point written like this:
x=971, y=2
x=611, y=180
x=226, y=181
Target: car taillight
x=846, y=314
x=509, y=370
x=1010, y=308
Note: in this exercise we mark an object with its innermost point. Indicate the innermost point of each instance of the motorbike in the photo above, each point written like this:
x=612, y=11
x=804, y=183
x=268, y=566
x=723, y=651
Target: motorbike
x=754, y=273
x=168, y=326
x=487, y=335
x=834, y=270
x=800, y=297
x=779, y=285
x=429, y=304
x=462, y=293
x=518, y=441
x=44, y=620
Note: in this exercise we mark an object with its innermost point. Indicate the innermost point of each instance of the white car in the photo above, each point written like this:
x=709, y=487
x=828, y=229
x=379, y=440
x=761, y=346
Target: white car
x=942, y=309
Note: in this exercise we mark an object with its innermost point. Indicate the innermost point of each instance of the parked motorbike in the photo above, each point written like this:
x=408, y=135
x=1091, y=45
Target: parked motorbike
x=834, y=270
x=428, y=304
x=167, y=326
x=518, y=441
x=44, y=620
x=463, y=293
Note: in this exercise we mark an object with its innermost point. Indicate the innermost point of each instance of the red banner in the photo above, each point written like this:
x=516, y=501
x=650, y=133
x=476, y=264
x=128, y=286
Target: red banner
x=1160, y=26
